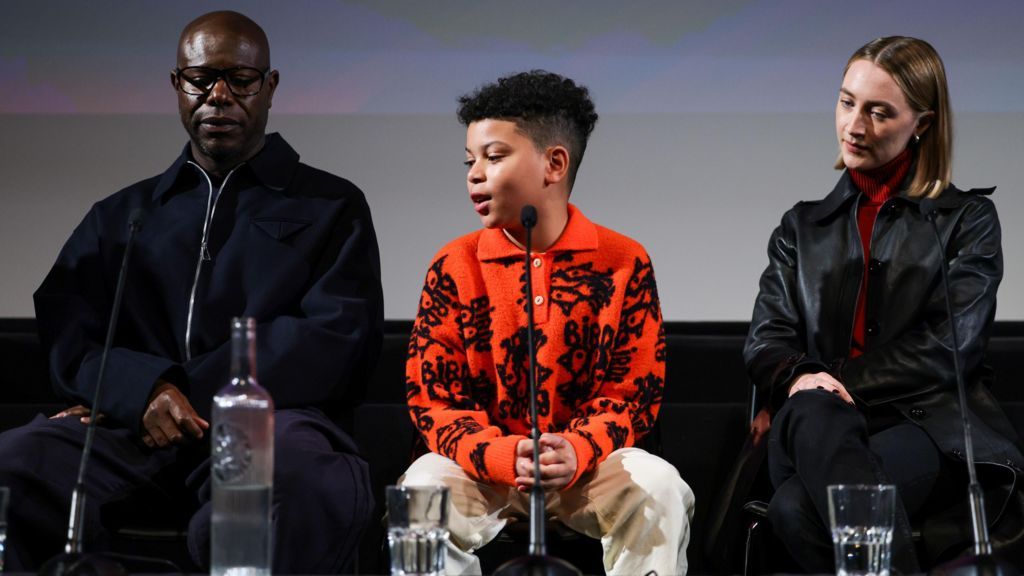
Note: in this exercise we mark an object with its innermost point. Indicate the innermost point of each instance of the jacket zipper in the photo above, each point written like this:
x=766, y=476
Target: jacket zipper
x=204, y=251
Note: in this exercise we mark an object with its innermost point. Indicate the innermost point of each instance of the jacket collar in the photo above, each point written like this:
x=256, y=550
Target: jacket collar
x=580, y=234
x=844, y=192
x=273, y=166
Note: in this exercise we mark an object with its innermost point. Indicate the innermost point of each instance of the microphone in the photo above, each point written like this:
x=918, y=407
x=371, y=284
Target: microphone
x=982, y=561
x=537, y=563
x=528, y=218
x=72, y=560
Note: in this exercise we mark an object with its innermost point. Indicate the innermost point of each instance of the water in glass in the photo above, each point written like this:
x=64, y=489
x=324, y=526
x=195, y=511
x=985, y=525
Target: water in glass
x=862, y=550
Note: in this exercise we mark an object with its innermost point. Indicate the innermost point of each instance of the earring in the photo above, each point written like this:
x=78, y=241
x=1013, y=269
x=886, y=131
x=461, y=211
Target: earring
x=917, y=138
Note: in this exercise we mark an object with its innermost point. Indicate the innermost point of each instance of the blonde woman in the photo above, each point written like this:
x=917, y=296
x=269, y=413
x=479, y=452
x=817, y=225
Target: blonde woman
x=850, y=341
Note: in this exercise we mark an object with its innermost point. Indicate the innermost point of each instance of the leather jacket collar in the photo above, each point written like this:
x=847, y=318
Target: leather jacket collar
x=844, y=192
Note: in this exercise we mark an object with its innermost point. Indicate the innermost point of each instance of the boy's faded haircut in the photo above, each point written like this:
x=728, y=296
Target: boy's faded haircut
x=550, y=109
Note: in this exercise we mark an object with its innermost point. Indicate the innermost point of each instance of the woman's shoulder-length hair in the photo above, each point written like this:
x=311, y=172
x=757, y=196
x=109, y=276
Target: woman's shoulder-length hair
x=917, y=69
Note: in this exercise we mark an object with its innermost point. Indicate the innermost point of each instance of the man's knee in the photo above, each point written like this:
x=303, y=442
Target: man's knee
x=198, y=540
x=311, y=475
x=314, y=480
x=40, y=448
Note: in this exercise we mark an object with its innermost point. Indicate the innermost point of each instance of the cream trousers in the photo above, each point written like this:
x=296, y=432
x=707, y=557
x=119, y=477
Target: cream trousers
x=635, y=503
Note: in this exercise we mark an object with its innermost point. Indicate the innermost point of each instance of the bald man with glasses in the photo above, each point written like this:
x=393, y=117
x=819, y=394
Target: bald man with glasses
x=237, y=226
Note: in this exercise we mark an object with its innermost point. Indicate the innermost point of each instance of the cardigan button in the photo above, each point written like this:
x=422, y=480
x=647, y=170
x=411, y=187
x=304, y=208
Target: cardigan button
x=538, y=300
x=537, y=262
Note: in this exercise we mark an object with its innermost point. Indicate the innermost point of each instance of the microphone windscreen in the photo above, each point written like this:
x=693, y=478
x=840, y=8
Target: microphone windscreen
x=136, y=217
x=528, y=216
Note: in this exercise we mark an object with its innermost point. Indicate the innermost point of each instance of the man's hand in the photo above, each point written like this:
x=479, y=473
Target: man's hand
x=557, y=463
x=169, y=418
x=81, y=412
x=821, y=381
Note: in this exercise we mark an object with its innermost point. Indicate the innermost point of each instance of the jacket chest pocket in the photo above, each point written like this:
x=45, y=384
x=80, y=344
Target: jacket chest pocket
x=281, y=229
x=277, y=256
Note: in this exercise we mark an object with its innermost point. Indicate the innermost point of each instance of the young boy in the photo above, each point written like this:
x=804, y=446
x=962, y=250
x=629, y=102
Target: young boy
x=599, y=340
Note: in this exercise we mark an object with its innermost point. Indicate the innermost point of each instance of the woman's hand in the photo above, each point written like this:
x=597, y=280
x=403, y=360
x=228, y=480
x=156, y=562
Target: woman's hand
x=821, y=381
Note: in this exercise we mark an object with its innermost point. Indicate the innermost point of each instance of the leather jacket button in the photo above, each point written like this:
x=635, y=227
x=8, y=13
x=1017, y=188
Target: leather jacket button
x=871, y=327
x=918, y=413
x=875, y=266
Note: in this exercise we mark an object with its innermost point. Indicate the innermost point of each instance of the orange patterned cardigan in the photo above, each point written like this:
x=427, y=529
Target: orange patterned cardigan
x=600, y=348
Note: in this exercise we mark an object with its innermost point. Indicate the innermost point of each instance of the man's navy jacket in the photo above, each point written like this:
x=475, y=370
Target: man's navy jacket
x=290, y=245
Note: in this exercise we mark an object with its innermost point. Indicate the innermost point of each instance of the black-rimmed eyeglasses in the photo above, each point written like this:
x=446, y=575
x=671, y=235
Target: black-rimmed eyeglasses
x=241, y=80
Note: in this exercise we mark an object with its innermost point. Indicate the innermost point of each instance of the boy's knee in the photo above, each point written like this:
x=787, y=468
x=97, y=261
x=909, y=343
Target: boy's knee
x=424, y=471
x=660, y=483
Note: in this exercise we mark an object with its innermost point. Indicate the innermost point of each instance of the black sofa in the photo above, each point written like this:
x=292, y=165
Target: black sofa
x=701, y=427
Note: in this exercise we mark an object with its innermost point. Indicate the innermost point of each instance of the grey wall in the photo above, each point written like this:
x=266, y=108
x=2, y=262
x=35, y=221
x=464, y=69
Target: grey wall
x=699, y=171
x=701, y=192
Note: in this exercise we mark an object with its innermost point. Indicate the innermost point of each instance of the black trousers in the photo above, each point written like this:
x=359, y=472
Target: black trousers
x=322, y=497
x=817, y=439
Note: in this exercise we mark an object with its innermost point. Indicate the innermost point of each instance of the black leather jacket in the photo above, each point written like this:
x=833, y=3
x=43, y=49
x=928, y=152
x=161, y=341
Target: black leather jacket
x=804, y=314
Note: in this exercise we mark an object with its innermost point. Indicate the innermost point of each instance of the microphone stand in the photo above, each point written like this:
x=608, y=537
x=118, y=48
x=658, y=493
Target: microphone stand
x=537, y=563
x=73, y=560
x=982, y=562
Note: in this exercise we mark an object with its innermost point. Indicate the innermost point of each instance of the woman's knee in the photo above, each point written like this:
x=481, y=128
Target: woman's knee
x=791, y=508
x=817, y=406
x=811, y=415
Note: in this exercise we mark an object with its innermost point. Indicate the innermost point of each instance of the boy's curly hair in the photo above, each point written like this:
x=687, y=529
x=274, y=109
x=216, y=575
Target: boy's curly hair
x=550, y=109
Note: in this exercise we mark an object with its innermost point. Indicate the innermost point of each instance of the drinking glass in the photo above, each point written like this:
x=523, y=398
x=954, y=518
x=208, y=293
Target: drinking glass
x=417, y=529
x=862, y=518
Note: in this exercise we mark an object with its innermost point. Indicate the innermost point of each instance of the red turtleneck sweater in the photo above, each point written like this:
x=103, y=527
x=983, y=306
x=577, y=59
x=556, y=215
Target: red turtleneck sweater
x=876, y=186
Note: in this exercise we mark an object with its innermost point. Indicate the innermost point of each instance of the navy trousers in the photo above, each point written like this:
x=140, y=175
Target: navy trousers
x=817, y=439
x=322, y=497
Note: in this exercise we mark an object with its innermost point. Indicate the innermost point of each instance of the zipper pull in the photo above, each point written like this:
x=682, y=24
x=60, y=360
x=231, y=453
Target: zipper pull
x=205, y=252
